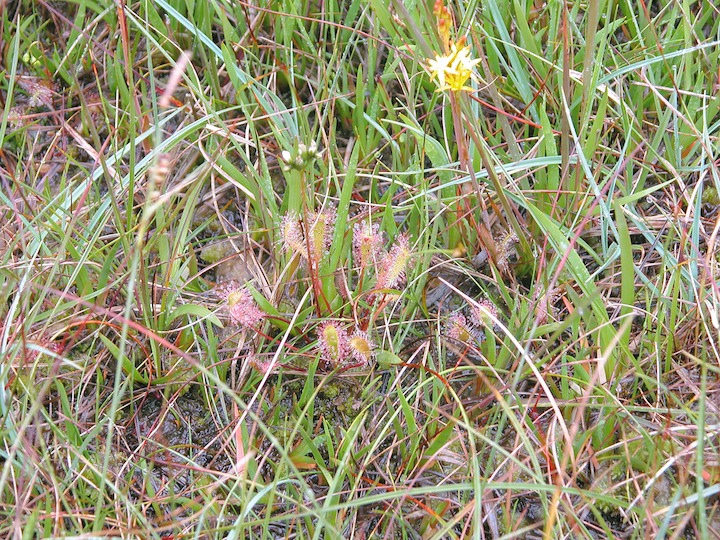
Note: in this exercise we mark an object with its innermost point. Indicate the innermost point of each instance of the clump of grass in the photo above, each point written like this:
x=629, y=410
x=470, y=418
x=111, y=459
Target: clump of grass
x=358, y=269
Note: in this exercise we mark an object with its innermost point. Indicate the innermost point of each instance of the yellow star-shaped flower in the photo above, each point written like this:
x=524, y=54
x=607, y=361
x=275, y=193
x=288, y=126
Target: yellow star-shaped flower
x=453, y=69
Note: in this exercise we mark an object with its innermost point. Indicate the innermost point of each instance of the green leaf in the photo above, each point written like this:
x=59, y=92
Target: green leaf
x=127, y=364
x=232, y=173
x=627, y=267
x=386, y=359
x=201, y=312
x=559, y=240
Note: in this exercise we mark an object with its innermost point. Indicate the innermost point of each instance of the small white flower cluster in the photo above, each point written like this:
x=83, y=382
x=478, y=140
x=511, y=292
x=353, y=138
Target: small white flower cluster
x=304, y=155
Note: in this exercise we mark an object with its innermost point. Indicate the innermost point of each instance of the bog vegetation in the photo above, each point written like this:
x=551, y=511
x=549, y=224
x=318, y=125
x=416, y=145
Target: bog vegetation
x=359, y=269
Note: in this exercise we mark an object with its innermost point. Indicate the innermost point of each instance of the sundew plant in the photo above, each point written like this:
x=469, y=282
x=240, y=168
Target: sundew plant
x=359, y=269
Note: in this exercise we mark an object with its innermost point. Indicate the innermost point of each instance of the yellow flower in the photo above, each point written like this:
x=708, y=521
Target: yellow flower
x=453, y=69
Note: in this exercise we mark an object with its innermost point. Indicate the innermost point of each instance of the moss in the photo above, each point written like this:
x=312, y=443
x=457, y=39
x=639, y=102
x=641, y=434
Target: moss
x=710, y=196
x=216, y=251
x=342, y=395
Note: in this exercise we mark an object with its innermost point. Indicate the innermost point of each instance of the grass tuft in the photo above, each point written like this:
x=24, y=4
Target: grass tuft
x=359, y=270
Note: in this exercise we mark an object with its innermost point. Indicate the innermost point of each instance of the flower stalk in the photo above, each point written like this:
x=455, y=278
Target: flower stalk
x=452, y=71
